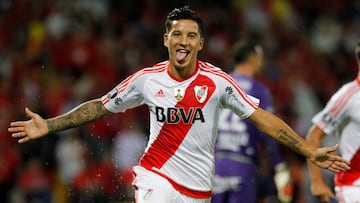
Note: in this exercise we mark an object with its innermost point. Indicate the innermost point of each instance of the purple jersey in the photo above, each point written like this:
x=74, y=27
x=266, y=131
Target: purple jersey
x=236, y=149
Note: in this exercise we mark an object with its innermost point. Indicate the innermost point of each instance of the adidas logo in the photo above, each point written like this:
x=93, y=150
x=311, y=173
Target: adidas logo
x=160, y=93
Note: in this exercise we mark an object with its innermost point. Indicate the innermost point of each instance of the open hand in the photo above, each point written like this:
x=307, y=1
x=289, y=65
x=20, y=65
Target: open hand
x=34, y=128
x=325, y=159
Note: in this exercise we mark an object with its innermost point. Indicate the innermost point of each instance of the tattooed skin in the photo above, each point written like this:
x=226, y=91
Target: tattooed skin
x=82, y=114
x=285, y=137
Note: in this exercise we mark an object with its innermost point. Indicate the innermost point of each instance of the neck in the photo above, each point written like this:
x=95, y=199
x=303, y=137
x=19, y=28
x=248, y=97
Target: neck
x=180, y=72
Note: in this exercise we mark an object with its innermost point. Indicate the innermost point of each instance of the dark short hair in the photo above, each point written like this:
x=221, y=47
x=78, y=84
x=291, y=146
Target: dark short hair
x=243, y=49
x=184, y=13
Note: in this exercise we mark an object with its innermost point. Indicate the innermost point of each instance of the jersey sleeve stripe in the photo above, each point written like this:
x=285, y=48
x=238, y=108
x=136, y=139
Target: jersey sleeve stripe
x=123, y=85
x=104, y=100
x=144, y=71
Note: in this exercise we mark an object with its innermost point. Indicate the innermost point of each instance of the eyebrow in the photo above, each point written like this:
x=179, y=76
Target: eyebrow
x=196, y=33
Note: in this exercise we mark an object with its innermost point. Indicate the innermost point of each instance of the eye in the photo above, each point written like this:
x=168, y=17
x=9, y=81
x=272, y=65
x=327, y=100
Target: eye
x=176, y=34
x=192, y=36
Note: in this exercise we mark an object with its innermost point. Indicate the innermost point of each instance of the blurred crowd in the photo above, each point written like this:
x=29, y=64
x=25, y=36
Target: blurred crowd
x=55, y=54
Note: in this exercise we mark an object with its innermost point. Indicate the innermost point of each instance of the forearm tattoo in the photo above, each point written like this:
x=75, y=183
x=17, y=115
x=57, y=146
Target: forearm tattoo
x=290, y=141
x=82, y=114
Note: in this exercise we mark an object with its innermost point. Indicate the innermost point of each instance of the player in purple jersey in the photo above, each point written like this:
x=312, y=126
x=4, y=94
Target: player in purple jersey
x=236, y=150
x=184, y=96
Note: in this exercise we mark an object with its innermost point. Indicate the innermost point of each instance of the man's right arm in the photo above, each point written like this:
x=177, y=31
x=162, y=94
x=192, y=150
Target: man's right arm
x=84, y=113
x=38, y=127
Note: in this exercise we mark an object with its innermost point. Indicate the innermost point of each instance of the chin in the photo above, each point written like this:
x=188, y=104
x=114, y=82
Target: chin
x=180, y=65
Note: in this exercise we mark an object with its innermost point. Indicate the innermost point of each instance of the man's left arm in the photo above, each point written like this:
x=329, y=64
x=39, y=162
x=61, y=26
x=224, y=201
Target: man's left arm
x=276, y=128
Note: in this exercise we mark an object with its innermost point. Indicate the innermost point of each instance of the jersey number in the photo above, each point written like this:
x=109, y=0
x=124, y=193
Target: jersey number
x=232, y=131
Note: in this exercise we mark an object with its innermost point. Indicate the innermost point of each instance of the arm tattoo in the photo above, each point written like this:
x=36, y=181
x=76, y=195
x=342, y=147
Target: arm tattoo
x=84, y=113
x=290, y=141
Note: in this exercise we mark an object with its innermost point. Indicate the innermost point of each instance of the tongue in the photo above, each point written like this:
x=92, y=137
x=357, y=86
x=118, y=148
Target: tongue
x=180, y=56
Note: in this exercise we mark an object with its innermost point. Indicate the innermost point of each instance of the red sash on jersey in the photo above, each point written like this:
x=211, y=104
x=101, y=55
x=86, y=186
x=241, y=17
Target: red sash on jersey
x=171, y=136
x=350, y=176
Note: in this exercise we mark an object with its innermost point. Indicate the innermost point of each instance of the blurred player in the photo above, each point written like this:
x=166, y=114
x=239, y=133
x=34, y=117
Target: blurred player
x=340, y=118
x=236, y=150
x=184, y=96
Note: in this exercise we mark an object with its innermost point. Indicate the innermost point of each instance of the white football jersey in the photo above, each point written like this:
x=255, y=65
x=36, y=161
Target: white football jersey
x=183, y=120
x=341, y=118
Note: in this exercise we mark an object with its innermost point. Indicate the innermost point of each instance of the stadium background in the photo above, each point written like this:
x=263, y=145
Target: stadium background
x=55, y=54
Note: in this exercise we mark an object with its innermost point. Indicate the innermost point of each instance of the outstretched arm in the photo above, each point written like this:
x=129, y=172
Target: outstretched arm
x=38, y=127
x=319, y=188
x=276, y=128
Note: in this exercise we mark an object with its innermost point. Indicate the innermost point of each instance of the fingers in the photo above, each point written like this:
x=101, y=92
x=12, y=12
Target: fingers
x=23, y=140
x=339, y=165
x=18, y=134
x=333, y=169
x=326, y=197
x=20, y=129
x=16, y=127
x=340, y=159
x=21, y=134
x=324, y=200
x=17, y=124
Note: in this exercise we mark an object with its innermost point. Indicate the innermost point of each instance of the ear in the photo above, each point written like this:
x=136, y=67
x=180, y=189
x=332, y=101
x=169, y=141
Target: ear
x=166, y=43
x=202, y=41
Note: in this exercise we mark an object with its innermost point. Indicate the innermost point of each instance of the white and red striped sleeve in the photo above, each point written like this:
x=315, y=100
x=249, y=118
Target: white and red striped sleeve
x=129, y=93
x=337, y=108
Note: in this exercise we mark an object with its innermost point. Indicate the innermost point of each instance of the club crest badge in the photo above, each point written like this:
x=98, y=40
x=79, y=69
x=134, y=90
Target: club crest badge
x=179, y=93
x=201, y=93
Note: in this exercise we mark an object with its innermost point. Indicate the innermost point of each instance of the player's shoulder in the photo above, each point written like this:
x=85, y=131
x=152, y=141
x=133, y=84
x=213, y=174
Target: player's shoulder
x=347, y=94
x=352, y=85
x=149, y=70
x=347, y=89
x=206, y=66
x=210, y=69
x=158, y=67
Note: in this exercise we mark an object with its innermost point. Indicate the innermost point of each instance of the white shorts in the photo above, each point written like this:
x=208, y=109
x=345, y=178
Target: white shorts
x=152, y=188
x=348, y=194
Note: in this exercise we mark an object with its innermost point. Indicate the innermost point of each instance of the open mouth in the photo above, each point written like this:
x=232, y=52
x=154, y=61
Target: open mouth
x=181, y=54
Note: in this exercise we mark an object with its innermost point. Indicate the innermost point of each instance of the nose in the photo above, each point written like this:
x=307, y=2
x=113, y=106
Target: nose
x=184, y=41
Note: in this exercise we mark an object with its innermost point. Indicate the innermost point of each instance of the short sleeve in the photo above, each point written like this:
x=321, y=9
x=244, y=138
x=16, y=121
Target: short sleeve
x=126, y=95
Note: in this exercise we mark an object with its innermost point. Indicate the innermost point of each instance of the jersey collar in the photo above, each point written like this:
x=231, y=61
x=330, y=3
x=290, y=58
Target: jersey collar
x=183, y=79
